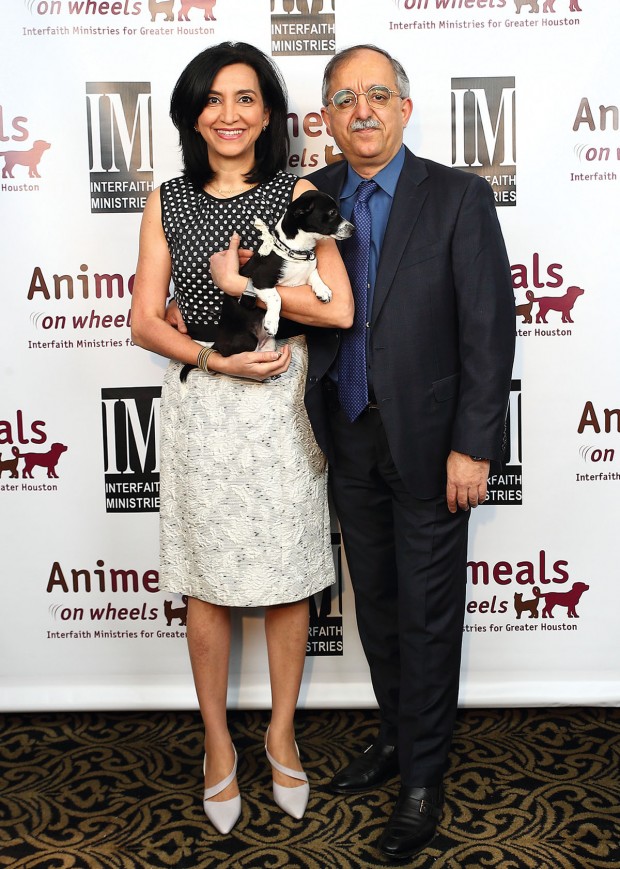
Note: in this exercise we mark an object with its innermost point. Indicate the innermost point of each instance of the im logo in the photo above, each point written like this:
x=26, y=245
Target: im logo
x=120, y=145
x=484, y=132
x=325, y=631
x=505, y=485
x=303, y=27
x=130, y=417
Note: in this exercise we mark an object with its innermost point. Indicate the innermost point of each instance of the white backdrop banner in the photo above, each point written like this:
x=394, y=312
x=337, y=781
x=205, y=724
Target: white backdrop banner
x=522, y=93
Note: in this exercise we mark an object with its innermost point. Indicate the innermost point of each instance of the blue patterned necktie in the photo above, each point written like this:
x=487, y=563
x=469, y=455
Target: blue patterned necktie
x=352, y=381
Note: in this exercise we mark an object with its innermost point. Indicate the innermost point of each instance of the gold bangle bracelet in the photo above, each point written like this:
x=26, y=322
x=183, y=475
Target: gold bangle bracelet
x=203, y=358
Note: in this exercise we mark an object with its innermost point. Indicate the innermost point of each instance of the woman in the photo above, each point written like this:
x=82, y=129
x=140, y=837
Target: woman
x=244, y=517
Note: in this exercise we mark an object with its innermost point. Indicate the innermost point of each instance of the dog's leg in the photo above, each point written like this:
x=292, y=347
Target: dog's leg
x=265, y=342
x=320, y=289
x=271, y=298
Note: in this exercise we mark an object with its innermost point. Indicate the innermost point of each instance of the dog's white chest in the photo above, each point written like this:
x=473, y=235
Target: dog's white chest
x=296, y=273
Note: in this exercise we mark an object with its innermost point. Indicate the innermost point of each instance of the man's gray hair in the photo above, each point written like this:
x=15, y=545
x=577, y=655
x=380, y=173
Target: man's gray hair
x=402, y=80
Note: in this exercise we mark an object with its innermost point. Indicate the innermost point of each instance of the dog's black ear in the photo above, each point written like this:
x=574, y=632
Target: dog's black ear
x=297, y=210
x=303, y=205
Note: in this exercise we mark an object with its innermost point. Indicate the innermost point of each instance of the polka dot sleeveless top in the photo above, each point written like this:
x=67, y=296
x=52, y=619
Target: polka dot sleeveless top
x=197, y=225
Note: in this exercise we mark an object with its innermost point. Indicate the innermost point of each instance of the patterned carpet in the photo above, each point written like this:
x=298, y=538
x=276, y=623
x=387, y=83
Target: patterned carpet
x=527, y=789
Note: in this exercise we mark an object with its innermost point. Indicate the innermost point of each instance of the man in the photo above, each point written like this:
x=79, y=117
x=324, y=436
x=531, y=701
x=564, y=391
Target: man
x=411, y=456
x=409, y=416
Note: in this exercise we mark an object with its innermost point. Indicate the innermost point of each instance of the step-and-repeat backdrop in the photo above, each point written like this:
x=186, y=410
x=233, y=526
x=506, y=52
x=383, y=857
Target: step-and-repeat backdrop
x=525, y=94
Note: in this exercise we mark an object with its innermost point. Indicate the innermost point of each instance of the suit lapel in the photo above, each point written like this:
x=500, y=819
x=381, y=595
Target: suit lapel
x=332, y=179
x=408, y=201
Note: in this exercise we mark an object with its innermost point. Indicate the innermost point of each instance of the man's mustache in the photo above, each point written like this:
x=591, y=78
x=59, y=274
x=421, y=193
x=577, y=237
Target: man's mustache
x=365, y=124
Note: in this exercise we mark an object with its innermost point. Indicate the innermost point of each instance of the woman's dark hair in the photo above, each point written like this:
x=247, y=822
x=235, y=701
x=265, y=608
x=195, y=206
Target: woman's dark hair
x=189, y=98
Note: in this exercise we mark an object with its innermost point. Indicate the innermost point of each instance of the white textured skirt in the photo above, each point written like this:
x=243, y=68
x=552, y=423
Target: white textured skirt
x=244, y=516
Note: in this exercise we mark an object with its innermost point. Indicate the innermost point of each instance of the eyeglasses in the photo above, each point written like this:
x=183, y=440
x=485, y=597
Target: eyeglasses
x=378, y=96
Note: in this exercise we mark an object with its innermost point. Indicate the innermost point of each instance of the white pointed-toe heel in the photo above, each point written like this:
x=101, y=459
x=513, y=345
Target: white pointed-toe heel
x=293, y=801
x=225, y=814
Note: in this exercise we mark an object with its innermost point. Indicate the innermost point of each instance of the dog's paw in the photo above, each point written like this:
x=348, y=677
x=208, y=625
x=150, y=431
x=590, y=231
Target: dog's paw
x=324, y=295
x=270, y=324
x=319, y=287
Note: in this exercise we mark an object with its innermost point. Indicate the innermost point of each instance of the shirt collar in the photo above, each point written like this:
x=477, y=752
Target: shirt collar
x=387, y=178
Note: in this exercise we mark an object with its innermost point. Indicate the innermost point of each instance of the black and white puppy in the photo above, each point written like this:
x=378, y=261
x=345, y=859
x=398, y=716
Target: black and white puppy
x=286, y=256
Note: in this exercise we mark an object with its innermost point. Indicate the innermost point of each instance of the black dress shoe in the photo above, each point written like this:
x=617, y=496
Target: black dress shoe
x=413, y=823
x=378, y=764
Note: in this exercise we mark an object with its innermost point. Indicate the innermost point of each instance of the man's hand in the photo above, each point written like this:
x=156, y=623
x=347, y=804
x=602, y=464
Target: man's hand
x=225, y=265
x=173, y=317
x=467, y=481
x=226, y=262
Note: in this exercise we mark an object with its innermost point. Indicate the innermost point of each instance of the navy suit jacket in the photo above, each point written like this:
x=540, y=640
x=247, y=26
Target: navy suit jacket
x=442, y=324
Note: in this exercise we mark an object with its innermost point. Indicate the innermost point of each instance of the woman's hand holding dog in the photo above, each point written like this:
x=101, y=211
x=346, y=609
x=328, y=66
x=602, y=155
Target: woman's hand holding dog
x=252, y=366
x=174, y=318
x=255, y=366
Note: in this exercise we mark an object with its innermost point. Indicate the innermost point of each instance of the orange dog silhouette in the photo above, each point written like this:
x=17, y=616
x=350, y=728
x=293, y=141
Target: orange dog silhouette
x=30, y=158
x=176, y=612
x=525, y=310
x=547, y=5
x=47, y=460
x=163, y=7
x=330, y=157
x=564, y=304
x=10, y=464
x=207, y=5
x=569, y=599
x=530, y=605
